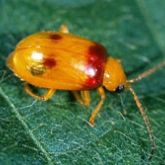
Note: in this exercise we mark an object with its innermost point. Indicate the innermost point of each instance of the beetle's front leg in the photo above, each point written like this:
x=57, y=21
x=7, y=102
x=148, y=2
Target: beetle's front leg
x=98, y=107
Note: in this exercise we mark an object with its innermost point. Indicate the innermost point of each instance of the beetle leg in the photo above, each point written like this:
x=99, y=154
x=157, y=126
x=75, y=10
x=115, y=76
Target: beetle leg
x=98, y=107
x=64, y=29
x=78, y=97
x=44, y=97
x=83, y=97
x=86, y=97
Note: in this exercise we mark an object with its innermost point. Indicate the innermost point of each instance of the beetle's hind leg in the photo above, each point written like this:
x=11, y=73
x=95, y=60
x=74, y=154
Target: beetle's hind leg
x=98, y=107
x=44, y=97
x=63, y=29
x=83, y=97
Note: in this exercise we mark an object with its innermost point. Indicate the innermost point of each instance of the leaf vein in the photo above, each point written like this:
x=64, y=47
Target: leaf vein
x=28, y=130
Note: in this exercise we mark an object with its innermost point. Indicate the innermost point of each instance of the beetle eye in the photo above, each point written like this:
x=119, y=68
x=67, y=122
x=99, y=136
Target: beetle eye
x=119, y=89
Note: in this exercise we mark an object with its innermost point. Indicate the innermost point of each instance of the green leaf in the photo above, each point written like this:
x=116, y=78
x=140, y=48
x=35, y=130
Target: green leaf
x=57, y=131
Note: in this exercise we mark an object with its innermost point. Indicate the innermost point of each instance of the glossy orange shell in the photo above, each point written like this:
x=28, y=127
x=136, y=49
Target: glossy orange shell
x=59, y=61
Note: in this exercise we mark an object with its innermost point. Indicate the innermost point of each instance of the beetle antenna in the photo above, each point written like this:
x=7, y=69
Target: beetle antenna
x=146, y=121
x=148, y=72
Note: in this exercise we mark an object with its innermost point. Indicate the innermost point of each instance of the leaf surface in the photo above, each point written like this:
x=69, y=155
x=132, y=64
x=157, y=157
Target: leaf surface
x=57, y=131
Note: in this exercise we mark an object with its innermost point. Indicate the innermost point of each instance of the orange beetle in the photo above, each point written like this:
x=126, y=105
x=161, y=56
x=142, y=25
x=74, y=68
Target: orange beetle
x=59, y=60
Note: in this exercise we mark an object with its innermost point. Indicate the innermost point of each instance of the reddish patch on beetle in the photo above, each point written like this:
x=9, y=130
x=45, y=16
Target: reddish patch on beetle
x=49, y=62
x=96, y=59
x=55, y=36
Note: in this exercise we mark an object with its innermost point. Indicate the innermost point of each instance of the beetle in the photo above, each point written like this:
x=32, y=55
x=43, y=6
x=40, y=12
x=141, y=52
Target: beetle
x=63, y=61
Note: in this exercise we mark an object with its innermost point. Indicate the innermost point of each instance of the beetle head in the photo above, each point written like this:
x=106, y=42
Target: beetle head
x=114, y=77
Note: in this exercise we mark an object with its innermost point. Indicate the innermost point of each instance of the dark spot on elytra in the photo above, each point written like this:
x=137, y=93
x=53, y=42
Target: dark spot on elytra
x=96, y=59
x=49, y=62
x=98, y=51
x=55, y=36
